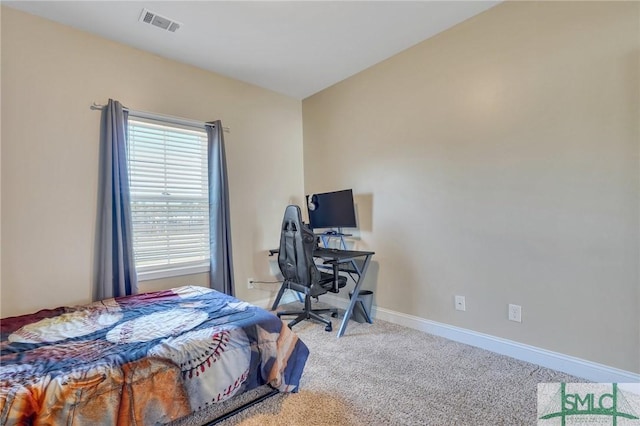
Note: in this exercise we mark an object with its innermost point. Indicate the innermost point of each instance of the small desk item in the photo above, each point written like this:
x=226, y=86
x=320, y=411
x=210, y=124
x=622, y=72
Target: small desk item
x=327, y=236
x=340, y=260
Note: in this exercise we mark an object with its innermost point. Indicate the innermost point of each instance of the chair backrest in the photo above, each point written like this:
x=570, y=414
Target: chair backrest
x=295, y=257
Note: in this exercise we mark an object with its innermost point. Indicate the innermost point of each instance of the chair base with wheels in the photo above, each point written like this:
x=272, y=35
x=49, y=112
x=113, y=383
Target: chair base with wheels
x=309, y=313
x=328, y=282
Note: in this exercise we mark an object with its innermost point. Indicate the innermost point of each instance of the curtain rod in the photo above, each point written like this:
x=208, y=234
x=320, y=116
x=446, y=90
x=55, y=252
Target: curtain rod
x=162, y=117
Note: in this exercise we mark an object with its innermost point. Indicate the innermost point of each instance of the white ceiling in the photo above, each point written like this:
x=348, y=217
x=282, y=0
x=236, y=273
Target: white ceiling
x=292, y=47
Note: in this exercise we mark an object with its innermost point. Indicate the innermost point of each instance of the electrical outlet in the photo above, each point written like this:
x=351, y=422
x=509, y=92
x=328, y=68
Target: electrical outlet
x=459, y=303
x=515, y=313
x=250, y=284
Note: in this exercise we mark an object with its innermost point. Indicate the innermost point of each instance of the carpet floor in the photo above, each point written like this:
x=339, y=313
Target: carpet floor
x=386, y=374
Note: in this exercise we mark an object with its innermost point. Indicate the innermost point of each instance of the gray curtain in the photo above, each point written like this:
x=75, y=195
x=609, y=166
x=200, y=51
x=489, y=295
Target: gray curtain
x=116, y=267
x=219, y=220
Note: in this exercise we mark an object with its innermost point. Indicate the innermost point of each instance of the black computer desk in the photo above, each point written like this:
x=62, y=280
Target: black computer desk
x=354, y=262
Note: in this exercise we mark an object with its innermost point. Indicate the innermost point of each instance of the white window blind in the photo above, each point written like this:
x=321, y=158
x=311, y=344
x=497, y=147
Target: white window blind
x=169, y=196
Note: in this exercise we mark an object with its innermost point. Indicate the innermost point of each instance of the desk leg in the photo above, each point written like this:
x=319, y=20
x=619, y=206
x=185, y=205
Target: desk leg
x=354, y=298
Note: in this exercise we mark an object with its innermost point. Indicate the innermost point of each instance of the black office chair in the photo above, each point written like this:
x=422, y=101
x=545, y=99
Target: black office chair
x=300, y=272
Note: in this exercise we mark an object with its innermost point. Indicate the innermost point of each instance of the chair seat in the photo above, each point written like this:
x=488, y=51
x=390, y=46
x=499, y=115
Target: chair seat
x=326, y=281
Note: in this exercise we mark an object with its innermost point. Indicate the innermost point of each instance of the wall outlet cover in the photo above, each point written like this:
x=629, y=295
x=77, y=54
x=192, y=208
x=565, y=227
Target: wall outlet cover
x=515, y=313
x=460, y=303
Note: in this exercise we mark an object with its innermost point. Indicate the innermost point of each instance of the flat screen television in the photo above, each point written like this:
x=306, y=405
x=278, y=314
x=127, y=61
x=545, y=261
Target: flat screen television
x=331, y=210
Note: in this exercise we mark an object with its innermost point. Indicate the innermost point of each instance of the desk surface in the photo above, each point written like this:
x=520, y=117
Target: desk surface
x=332, y=253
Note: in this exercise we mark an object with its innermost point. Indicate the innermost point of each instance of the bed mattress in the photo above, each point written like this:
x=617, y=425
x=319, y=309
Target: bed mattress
x=144, y=359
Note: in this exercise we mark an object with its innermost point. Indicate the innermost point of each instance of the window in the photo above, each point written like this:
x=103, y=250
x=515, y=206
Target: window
x=169, y=198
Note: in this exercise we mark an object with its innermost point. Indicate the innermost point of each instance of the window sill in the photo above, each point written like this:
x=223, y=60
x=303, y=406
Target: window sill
x=172, y=272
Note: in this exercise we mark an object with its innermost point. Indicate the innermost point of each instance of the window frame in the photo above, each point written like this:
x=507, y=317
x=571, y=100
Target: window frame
x=147, y=273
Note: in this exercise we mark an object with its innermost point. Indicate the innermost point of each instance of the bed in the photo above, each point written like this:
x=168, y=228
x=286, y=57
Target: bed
x=144, y=359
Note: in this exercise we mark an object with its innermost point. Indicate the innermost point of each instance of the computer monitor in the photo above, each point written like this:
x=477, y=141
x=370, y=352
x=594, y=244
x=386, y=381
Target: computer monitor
x=331, y=210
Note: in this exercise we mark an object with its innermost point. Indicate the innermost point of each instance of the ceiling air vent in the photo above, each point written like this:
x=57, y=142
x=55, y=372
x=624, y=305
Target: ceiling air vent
x=149, y=17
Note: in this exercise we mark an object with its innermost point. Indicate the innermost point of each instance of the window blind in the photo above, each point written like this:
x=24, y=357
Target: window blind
x=169, y=195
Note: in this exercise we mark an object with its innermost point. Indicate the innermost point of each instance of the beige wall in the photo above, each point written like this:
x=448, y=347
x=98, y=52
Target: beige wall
x=500, y=162
x=50, y=76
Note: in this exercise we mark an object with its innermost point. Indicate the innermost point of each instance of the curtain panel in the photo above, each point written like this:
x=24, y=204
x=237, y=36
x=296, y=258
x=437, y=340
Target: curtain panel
x=221, y=274
x=116, y=267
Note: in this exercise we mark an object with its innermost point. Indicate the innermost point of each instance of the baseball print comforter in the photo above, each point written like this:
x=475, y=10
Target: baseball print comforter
x=143, y=359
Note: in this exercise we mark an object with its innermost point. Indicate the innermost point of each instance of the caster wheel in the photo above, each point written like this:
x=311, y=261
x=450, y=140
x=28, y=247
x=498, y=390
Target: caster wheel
x=328, y=328
x=334, y=314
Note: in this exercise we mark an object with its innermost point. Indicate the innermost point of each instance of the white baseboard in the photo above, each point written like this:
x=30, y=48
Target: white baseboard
x=288, y=297
x=588, y=370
